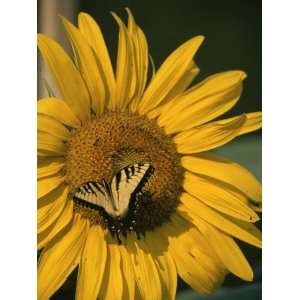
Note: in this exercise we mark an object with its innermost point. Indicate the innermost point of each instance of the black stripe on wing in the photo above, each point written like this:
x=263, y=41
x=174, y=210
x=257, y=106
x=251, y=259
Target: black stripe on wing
x=87, y=189
x=139, y=169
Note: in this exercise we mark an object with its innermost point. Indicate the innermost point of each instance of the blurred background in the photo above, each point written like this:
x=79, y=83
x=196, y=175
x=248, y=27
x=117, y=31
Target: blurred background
x=233, y=41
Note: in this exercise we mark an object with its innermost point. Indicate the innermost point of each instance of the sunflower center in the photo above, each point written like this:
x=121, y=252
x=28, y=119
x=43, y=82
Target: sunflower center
x=124, y=173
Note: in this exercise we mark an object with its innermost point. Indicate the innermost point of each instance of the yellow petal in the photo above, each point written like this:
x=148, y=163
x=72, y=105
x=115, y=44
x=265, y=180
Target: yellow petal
x=48, y=214
x=59, y=110
x=244, y=231
x=92, y=265
x=168, y=275
x=88, y=67
x=48, y=184
x=155, y=112
x=256, y=206
x=230, y=253
x=178, y=89
x=128, y=275
x=164, y=262
x=169, y=74
x=183, y=82
x=66, y=76
x=49, y=167
x=203, y=102
x=92, y=32
x=225, y=171
x=112, y=283
x=209, y=136
x=124, y=73
x=197, y=268
x=46, y=154
x=143, y=61
x=53, y=127
x=60, y=258
x=250, y=228
x=140, y=59
x=183, y=225
x=145, y=270
x=234, y=259
x=56, y=228
x=253, y=122
x=221, y=198
x=50, y=143
x=131, y=30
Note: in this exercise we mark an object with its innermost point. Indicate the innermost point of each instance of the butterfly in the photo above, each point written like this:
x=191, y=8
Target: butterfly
x=114, y=197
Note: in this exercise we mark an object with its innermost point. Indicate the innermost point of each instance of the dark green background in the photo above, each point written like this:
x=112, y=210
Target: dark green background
x=233, y=41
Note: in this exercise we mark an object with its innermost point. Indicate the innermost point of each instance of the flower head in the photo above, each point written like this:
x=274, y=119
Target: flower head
x=127, y=190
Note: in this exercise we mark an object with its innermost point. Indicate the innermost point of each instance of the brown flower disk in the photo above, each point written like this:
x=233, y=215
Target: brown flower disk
x=94, y=151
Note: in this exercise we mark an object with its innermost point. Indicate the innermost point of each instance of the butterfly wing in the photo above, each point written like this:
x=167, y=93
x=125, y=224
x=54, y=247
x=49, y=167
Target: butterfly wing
x=94, y=193
x=125, y=183
x=114, y=197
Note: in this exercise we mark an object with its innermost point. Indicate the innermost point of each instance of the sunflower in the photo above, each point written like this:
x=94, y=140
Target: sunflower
x=127, y=190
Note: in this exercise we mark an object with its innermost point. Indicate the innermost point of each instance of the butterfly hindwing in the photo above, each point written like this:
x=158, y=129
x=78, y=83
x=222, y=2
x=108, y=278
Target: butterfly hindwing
x=124, y=185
